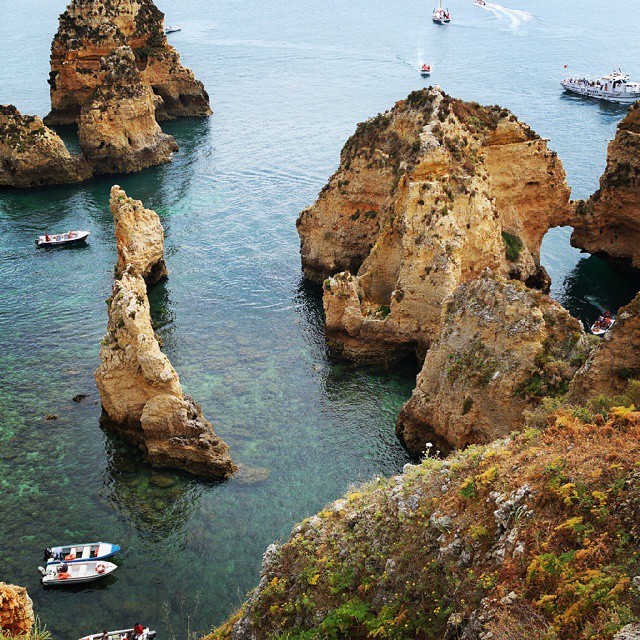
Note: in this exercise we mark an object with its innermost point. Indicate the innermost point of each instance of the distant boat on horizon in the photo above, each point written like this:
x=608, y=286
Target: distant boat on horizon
x=440, y=15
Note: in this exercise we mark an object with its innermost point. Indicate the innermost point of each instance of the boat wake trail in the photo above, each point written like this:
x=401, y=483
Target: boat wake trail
x=516, y=17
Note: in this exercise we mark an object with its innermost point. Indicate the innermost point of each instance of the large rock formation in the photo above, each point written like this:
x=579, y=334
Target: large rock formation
x=139, y=238
x=426, y=197
x=16, y=611
x=141, y=395
x=92, y=29
x=502, y=347
x=608, y=224
x=32, y=155
x=530, y=537
x=117, y=128
x=617, y=360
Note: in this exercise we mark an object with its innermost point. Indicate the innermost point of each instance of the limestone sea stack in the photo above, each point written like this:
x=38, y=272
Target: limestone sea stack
x=614, y=363
x=426, y=197
x=608, y=224
x=501, y=349
x=142, y=398
x=92, y=29
x=117, y=128
x=139, y=237
x=32, y=155
x=16, y=611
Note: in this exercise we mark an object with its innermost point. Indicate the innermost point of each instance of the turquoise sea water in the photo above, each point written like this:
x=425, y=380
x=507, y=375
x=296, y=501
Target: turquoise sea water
x=288, y=82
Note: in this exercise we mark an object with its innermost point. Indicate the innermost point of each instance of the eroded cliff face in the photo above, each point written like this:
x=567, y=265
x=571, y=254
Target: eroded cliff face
x=141, y=395
x=612, y=364
x=32, y=155
x=139, y=237
x=16, y=610
x=502, y=347
x=117, y=128
x=92, y=29
x=533, y=536
x=427, y=196
x=608, y=224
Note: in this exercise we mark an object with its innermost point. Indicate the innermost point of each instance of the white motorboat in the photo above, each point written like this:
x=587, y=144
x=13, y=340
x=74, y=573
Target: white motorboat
x=615, y=87
x=80, y=552
x=62, y=239
x=603, y=324
x=63, y=574
x=440, y=15
x=121, y=634
x=172, y=29
x=480, y=3
x=425, y=70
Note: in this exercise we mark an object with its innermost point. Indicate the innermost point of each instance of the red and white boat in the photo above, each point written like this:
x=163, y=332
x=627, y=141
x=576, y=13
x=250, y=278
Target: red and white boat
x=62, y=239
x=425, y=70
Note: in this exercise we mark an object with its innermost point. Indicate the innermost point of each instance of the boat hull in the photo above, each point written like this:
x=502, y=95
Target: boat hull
x=592, y=92
x=78, y=573
x=116, y=635
x=83, y=552
x=62, y=239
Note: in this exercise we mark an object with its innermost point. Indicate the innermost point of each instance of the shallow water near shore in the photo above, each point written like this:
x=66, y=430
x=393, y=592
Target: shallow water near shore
x=288, y=83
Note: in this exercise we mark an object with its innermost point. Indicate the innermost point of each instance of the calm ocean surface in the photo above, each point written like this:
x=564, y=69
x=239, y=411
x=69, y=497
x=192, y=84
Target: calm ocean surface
x=288, y=83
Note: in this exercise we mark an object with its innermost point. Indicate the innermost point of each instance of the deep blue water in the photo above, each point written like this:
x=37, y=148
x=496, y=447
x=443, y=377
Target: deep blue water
x=288, y=83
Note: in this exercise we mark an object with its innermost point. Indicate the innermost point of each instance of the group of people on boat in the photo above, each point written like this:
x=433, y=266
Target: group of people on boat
x=137, y=633
x=69, y=236
x=604, y=322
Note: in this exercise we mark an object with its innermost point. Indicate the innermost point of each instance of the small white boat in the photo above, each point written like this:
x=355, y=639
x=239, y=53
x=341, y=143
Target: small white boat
x=603, y=324
x=440, y=15
x=480, y=3
x=121, y=634
x=172, y=29
x=70, y=553
x=62, y=239
x=425, y=70
x=615, y=87
x=63, y=574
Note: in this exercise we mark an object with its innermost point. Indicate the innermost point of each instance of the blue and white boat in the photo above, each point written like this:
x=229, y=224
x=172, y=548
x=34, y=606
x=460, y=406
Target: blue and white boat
x=71, y=553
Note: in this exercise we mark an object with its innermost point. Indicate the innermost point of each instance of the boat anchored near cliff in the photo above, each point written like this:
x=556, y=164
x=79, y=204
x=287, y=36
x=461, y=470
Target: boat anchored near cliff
x=614, y=87
x=603, y=324
x=63, y=574
x=440, y=15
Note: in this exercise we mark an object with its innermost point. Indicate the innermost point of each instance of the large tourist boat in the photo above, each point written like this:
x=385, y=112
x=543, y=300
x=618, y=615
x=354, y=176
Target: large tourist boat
x=615, y=87
x=440, y=15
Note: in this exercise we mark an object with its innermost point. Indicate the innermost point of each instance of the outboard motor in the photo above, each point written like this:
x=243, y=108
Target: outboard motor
x=48, y=554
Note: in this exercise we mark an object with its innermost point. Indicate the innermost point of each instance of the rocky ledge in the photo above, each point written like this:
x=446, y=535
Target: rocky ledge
x=608, y=224
x=139, y=238
x=501, y=349
x=534, y=536
x=92, y=29
x=426, y=197
x=117, y=128
x=32, y=155
x=16, y=611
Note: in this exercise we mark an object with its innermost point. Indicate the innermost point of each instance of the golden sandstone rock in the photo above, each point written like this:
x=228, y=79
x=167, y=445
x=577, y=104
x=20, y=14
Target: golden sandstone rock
x=608, y=224
x=117, y=128
x=502, y=348
x=139, y=237
x=141, y=395
x=92, y=29
x=16, y=610
x=426, y=197
x=33, y=155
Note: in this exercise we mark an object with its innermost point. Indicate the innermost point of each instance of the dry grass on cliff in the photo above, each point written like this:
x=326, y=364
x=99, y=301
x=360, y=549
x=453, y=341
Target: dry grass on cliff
x=537, y=534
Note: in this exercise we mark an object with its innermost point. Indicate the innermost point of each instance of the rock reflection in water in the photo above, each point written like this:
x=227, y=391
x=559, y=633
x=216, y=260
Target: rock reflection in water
x=157, y=503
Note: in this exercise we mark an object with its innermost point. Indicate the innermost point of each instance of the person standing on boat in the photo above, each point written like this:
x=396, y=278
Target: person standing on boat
x=138, y=630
